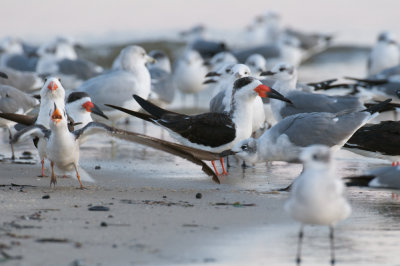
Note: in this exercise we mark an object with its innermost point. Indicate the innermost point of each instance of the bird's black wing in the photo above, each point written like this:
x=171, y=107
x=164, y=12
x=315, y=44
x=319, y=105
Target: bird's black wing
x=383, y=138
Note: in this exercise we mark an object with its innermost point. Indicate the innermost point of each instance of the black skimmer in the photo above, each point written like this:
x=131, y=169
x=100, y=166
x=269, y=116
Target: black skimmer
x=214, y=132
x=383, y=177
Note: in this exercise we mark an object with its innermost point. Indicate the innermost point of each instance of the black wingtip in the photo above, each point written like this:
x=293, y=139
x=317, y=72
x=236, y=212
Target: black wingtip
x=143, y=116
x=3, y=75
x=377, y=107
x=369, y=81
x=358, y=181
x=152, y=109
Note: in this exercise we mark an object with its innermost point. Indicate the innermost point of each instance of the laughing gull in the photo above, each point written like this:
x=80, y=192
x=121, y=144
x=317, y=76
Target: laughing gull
x=286, y=140
x=304, y=102
x=220, y=60
x=213, y=132
x=117, y=86
x=264, y=29
x=189, y=72
x=377, y=140
x=14, y=101
x=162, y=82
x=222, y=101
x=22, y=80
x=317, y=196
x=13, y=56
x=384, y=54
x=257, y=64
x=286, y=50
x=62, y=146
x=383, y=177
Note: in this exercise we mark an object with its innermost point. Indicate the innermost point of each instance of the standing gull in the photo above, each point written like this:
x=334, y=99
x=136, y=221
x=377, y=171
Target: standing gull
x=317, y=195
x=384, y=54
x=117, y=86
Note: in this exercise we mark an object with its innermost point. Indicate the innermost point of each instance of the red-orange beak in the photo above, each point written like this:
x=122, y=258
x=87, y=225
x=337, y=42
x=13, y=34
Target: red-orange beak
x=267, y=92
x=56, y=116
x=52, y=86
x=262, y=90
x=88, y=106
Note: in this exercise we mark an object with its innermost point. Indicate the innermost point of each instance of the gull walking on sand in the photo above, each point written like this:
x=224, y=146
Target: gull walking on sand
x=317, y=195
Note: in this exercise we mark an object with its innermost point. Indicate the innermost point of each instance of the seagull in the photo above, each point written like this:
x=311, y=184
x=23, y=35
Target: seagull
x=214, y=132
x=189, y=72
x=220, y=60
x=317, y=195
x=222, y=101
x=14, y=101
x=117, y=86
x=377, y=140
x=257, y=64
x=290, y=136
x=62, y=146
x=22, y=80
x=383, y=177
x=162, y=83
x=384, y=54
x=304, y=102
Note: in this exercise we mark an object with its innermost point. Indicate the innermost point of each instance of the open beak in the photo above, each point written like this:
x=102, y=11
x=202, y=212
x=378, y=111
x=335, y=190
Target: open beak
x=208, y=81
x=267, y=73
x=52, y=86
x=91, y=107
x=56, y=116
x=267, y=92
x=3, y=75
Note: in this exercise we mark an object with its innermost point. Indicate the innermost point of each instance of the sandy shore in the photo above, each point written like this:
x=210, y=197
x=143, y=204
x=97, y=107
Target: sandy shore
x=154, y=217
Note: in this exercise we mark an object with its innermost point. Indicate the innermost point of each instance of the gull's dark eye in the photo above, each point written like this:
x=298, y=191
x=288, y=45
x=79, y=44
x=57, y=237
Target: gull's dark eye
x=227, y=70
x=246, y=73
x=7, y=96
x=315, y=157
x=244, y=147
x=282, y=69
x=59, y=79
x=45, y=80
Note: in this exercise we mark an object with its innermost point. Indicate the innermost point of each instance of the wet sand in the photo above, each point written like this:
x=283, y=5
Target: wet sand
x=154, y=217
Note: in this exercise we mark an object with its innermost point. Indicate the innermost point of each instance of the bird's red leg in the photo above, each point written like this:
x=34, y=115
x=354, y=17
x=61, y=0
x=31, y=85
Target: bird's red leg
x=224, y=172
x=78, y=176
x=42, y=162
x=215, y=168
x=53, y=180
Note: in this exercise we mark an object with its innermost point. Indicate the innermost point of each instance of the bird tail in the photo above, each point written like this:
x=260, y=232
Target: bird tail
x=388, y=107
x=143, y=116
x=151, y=108
x=358, y=181
x=377, y=107
x=371, y=82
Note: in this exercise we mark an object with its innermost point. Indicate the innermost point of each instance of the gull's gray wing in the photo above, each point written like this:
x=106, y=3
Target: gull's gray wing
x=305, y=102
x=36, y=131
x=13, y=100
x=25, y=81
x=114, y=87
x=80, y=68
x=268, y=51
x=386, y=73
x=319, y=128
x=194, y=155
x=388, y=177
x=162, y=84
x=21, y=62
x=216, y=103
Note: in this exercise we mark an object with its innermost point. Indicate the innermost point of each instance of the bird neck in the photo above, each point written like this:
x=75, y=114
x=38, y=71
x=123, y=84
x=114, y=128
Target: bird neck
x=241, y=112
x=285, y=86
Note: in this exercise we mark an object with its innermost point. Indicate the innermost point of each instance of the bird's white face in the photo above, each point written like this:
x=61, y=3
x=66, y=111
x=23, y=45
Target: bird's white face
x=193, y=58
x=283, y=71
x=239, y=71
x=134, y=55
x=52, y=88
x=257, y=64
x=222, y=58
x=247, y=150
x=388, y=38
x=316, y=156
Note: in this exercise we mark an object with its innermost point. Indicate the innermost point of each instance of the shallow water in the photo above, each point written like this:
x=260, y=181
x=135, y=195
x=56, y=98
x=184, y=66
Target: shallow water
x=369, y=237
